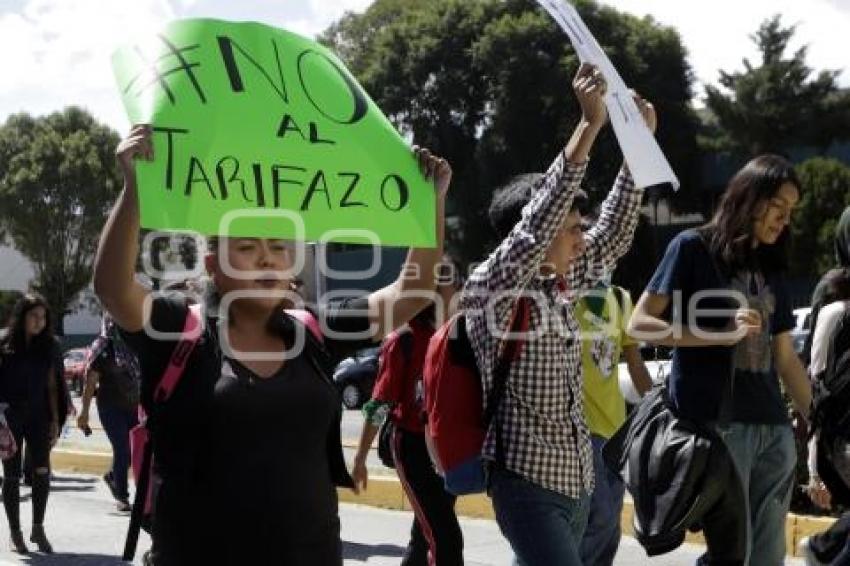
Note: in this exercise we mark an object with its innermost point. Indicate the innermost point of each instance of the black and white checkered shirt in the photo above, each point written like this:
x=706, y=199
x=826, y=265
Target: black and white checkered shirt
x=545, y=437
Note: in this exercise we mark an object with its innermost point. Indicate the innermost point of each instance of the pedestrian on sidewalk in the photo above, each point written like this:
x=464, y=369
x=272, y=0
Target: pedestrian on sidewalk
x=602, y=314
x=829, y=480
x=726, y=368
x=28, y=384
x=841, y=244
x=541, y=478
x=113, y=375
x=247, y=449
x=435, y=536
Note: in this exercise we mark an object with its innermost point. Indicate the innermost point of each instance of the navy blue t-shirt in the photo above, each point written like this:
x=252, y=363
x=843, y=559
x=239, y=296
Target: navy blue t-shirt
x=698, y=376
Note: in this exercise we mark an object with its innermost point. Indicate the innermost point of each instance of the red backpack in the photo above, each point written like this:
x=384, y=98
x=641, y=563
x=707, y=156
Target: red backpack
x=457, y=421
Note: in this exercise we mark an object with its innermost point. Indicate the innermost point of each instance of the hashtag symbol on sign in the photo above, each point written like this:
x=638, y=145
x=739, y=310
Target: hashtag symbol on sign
x=158, y=76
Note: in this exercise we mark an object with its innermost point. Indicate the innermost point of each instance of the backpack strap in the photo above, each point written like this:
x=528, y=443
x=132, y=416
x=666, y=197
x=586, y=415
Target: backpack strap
x=173, y=372
x=619, y=295
x=511, y=350
x=509, y=353
x=309, y=320
x=180, y=355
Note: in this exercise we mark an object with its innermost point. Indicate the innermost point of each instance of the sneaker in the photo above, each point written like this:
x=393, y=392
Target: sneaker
x=804, y=549
x=16, y=540
x=123, y=506
x=113, y=489
x=40, y=539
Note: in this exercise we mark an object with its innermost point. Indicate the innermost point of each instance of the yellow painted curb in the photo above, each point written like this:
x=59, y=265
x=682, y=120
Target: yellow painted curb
x=387, y=493
x=81, y=462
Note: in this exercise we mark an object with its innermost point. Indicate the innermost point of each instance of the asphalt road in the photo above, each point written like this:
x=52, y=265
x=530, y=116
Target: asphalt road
x=85, y=529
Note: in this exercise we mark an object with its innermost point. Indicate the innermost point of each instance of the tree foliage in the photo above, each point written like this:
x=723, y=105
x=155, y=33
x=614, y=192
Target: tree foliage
x=780, y=103
x=486, y=84
x=826, y=192
x=58, y=180
x=7, y=304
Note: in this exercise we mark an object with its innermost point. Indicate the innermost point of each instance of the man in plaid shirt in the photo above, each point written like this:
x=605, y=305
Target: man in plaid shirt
x=542, y=483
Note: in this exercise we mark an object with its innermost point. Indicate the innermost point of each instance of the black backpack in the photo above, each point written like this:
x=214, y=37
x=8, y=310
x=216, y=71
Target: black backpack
x=830, y=415
x=831, y=393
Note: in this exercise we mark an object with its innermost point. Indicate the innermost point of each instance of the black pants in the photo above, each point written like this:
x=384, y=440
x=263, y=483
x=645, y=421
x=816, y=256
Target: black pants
x=32, y=429
x=435, y=527
x=833, y=545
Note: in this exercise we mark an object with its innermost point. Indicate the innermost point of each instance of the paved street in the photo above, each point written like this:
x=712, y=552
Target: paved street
x=85, y=529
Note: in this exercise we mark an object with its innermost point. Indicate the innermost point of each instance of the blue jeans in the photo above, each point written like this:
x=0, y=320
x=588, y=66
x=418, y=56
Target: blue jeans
x=602, y=535
x=765, y=457
x=543, y=527
x=117, y=423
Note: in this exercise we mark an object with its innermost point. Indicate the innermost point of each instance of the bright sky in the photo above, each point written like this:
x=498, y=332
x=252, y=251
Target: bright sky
x=56, y=52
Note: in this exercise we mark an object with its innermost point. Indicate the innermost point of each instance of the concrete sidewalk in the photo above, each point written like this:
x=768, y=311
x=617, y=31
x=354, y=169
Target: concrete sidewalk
x=85, y=529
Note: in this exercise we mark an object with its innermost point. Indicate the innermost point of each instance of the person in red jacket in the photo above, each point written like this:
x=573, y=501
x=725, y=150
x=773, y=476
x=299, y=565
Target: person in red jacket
x=398, y=396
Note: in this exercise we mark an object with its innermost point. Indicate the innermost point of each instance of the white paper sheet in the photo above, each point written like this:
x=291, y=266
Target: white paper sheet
x=646, y=161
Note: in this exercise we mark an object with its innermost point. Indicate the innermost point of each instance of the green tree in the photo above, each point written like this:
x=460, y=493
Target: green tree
x=486, y=83
x=58, y=180
x=7, y=303
x=780, y=103
x=826, y=191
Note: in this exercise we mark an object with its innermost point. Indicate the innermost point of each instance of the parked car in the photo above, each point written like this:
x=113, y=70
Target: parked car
x=657, y=360
x=802, y=328
x=74, y=362
x=355, y=376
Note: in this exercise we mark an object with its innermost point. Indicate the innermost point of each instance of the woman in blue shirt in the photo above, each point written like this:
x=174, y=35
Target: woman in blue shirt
x=728, y=360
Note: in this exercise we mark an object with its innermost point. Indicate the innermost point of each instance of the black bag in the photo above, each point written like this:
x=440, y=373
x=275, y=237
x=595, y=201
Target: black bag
x=667, y=463
x=385, y=439
x=387, y=430
x=830, y=415
x=831, y=394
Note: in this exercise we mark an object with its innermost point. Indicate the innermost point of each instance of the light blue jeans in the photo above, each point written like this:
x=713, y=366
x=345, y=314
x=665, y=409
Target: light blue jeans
x=765, y=457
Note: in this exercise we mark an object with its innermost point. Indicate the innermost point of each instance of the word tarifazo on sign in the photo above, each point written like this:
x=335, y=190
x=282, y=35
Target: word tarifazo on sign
x=251, y=118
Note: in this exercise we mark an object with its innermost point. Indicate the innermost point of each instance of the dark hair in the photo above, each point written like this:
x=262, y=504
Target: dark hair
x=730, y=232
x=16, y=340
x=428, y=315
x=509, y=200
x=212, y=244
x=837, y=285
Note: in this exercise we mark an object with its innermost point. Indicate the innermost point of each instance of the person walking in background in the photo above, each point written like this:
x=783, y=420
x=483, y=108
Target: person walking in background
x=397, y=395
x=829, y=480
x=28, y=384
x=725, y=368
x=113, y=375
x=602, y=314
x=819, y=296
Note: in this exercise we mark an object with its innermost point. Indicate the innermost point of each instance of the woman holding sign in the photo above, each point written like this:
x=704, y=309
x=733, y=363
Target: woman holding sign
x=247, y=449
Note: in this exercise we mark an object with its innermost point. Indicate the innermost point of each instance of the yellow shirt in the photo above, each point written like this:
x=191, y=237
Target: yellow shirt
x=603, y=339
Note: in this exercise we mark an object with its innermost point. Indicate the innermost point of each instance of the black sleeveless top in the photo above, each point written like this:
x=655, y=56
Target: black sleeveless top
x=248, y=465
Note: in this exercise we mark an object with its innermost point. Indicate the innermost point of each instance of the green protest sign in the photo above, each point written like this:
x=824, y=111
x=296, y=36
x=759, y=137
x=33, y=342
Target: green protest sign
x=261, y=132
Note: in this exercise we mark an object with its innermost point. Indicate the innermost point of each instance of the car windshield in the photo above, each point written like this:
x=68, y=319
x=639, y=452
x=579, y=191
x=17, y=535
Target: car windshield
x=75, y=356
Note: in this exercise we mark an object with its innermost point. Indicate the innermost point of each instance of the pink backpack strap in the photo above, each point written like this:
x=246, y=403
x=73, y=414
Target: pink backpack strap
x=306, y=318
x=191, y=334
